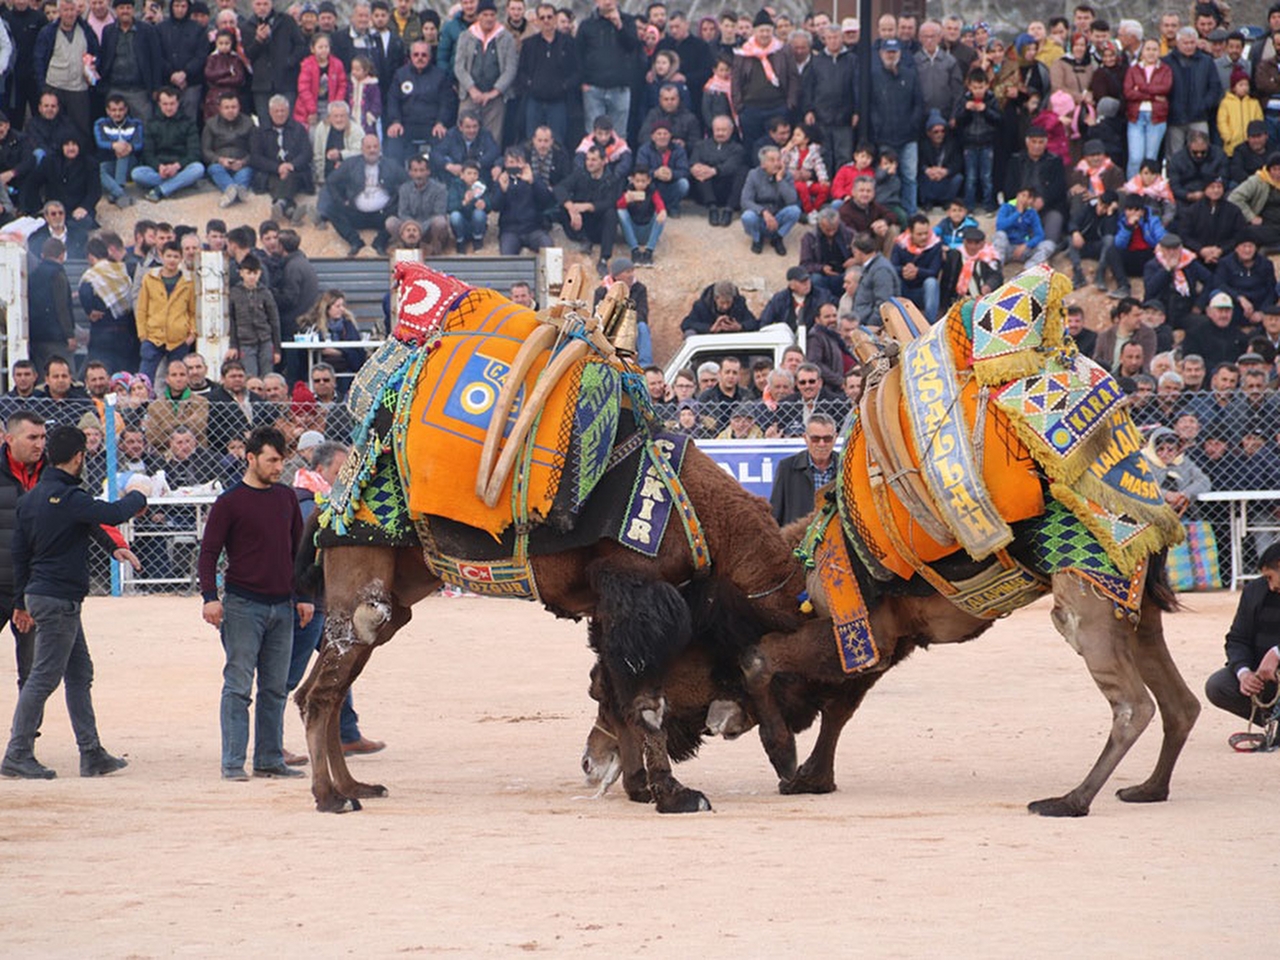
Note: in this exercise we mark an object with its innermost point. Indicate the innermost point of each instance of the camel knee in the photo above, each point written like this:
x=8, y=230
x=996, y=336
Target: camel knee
x=368, y=618
x=1133, y=716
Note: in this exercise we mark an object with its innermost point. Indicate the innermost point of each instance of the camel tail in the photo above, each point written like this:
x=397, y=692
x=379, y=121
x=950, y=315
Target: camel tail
x=1158, y=589
x=308, y=565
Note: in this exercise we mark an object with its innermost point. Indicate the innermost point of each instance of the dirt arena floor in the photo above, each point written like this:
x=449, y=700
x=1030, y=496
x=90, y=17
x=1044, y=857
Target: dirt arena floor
x=489, y=846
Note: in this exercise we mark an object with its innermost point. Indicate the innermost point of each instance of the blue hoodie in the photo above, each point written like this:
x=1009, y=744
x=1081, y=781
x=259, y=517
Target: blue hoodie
x=1150, y=225
x=952, y=235
x=1020, y=228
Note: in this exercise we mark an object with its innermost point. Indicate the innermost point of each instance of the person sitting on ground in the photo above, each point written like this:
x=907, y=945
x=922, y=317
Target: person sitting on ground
x=718, y=168
x=797, y=304
x=589, y=198
x=334, y=139
x=1020, y=237
x=1138, y=233
x=361, y=194
x=1253, y=653
x=70, y=177
x=1211, y=225
x=917, y=256
x=1176, y=279
x=1259, y=200
x=668, y=165
x=826, y=252
x=170, y=158
x=465, y=141
x=225, y=144
x=879, y=281
x=720, y=308
x=424, y=200
x=862, y=214
x=950, y=229
x=468, y=208
x=280, y=154
x=119, y=138
x=1193, y=166
x=617, y=153
x=770, y=205
x=642, y=212
x=519, y=198
x=972, y=271
x=1250, y=280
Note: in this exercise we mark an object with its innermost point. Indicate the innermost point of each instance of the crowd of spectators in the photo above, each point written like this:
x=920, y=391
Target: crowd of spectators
x=922, y=169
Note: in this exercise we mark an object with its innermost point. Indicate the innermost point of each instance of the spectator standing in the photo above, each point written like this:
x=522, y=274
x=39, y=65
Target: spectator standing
x=607, y=48
x=799, y=477
x=275, y=48
x=1238, y=109
x=1213, y=337
x=420, y=106
x=452, y=31
x=51, y=323
x=61, y=48
x=485, y=66
x=131, y=59
x=797, y=304
x=21, y=462
x=830, y=95
x=170, y=150
x=165, y=312
x=941, y=82
x=104, y=298
x=1196, y=92
x=770, y=204
x=361, y=194
x=1147, y=85
x=254, y=321
x=25, y=20
x=280, y=154
x=897, y=114
x=765, y=82
x=225, y=144
x=184, y=46
x=224, y=72
x=299, y=291
x=547, y=75
x=260, y=526
x=51, y=580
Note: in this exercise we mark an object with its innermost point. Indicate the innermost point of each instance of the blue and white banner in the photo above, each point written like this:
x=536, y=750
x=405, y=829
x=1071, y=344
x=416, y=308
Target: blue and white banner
x=751, y=462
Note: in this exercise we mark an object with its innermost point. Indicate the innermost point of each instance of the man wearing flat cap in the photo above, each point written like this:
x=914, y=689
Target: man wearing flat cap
x=765, y=82
x=130, y=61
x=485, y=66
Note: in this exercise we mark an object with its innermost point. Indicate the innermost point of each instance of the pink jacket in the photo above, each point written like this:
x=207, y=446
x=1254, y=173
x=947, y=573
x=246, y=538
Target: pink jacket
x=309, y=86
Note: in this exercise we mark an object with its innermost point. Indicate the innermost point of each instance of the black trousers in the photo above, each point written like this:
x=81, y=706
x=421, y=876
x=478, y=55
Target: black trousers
x=719, y=191
x=349, y=221
x=598, y=226
x=1223, y=690
x=24, y=643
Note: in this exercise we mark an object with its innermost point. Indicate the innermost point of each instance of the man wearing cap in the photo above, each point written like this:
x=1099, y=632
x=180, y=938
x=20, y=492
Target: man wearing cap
x=485, y=66
x=1177, y=280
x=797, y=306
x=1212, y=224
x=1194, y=166
x=764, y=82
x=130, y=59
x=972, y=270
x=896, y=112
x=941, y=164
x=1250, y=156
x=941, y=84
x=1249, y=279
x=1259, y=200
x=1037, y=167
x=622, y=270
x=1214, y=338
x=829, y=96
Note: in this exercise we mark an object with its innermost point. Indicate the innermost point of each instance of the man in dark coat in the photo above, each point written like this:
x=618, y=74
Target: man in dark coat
x=275, y=48
x=420, y=106
x=280, y=154
x=21, y=460
x=829, y=96
x=1196, y=93
x=51, y=322
x=797, y=303
x=1194, y=166
x=1252, y=654
x=131, y=61
x=717, y=169
x=1212, y=225
x=1037, y=167
x=348, y=203
x=22, y=90
x=797, y=479
x=607, y=50
x=827, y=252
x=896, y=108
x=720, y=308
x=184, y=47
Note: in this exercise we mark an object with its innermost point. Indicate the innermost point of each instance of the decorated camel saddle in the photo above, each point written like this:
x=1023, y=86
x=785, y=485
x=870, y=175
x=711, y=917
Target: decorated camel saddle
x=485, y=430
x=987, y=454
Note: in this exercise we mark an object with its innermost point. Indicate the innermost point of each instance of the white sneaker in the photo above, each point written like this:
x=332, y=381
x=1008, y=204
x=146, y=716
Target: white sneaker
x=229, y=196
x=242, y=194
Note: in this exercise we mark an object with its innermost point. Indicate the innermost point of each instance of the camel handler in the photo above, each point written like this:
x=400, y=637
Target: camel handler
x=51, y=579
x=1253, y=643
x=260, y=525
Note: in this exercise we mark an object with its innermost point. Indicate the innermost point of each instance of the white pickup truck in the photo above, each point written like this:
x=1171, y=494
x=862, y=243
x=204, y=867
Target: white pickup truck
x=768, y=341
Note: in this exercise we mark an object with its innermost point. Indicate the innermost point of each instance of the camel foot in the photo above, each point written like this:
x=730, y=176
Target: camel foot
x=366, y=790
x=683, y=800
x=337, y=804
x=1058, y=807
x=1143, y=793
x=807, y=781
x=636, y=784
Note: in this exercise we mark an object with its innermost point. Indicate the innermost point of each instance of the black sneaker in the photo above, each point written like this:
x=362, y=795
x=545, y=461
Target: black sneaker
x=779, y=247
x=27, y=768
x=235, y=773
x=713, y=216
x=726, y=217
x=637, y=256
x=354, y=249
x=99, y=763
x=602, y=268
x=757, y=246
x=280, y=771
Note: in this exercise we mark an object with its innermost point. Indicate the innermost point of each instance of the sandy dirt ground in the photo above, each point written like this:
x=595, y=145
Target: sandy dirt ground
x=488, y=845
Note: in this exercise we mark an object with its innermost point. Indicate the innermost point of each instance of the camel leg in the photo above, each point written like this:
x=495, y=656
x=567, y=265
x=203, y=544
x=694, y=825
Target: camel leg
x=1179, y=707
x=1087, y=623
x=817, y=774
x=344, y=782
x=319, y=706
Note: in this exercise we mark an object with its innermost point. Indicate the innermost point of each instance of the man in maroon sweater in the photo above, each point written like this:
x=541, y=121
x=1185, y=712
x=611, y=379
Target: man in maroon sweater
x=260, y=526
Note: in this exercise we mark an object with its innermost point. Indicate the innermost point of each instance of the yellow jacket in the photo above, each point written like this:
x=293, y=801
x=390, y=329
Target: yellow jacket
x=1234, y=116
x=165, y=319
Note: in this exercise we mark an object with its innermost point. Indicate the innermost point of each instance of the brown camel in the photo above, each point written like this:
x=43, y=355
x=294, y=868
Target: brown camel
x=639, y=622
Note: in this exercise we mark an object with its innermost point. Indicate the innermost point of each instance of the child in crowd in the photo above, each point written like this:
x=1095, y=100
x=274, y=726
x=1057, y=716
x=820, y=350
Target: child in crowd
x=224, y=71
x=950, y=229
x=1236, y=110
x=641, y=213
x=889, y=184
x=468, y=212
x=716, y=100
x=978, y=125
x=803, y=158
x=366, y=98
x=863, y=164
x=255, y=321
x=666, y=69
x=1154, y=188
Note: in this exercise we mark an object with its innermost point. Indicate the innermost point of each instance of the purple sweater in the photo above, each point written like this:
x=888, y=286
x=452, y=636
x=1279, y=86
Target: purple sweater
x=261, y=530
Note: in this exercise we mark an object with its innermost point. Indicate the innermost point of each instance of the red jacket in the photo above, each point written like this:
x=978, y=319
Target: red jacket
x=309, y=87
x=1138, y=89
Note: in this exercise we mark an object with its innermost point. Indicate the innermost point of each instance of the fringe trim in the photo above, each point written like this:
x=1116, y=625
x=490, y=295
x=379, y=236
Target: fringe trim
x=1163, y=529
x=997, y=371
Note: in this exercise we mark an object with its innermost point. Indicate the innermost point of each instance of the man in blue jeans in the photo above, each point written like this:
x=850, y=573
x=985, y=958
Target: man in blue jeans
x=258, y=523
x=51, y=579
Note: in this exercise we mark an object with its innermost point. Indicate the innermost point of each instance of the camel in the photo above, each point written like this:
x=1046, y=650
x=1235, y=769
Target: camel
x=689, y=542
x=789, y=677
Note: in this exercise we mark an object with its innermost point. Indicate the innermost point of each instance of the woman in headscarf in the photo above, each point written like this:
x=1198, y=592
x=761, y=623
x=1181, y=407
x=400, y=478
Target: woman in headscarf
x=1073, y=71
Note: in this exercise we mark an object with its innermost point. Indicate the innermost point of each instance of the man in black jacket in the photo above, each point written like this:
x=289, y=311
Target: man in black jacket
x=131, y=59
x=52, y=324
x=718, y=167
x=519, y=199
x=51, y=580
x=797, y=303
x=589, y=198
x=280, y=154
x=607, y=50
x=361, y=194
x=25, y=20
x=184, y=48
x=829, y=96
x=1252, y=652
x=420, y=106
x=1212, y=225
x=1037, y=167
x=21, y=460
x=797, y=479
x=548, y=75
x=275, y=48
x=720, y=308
